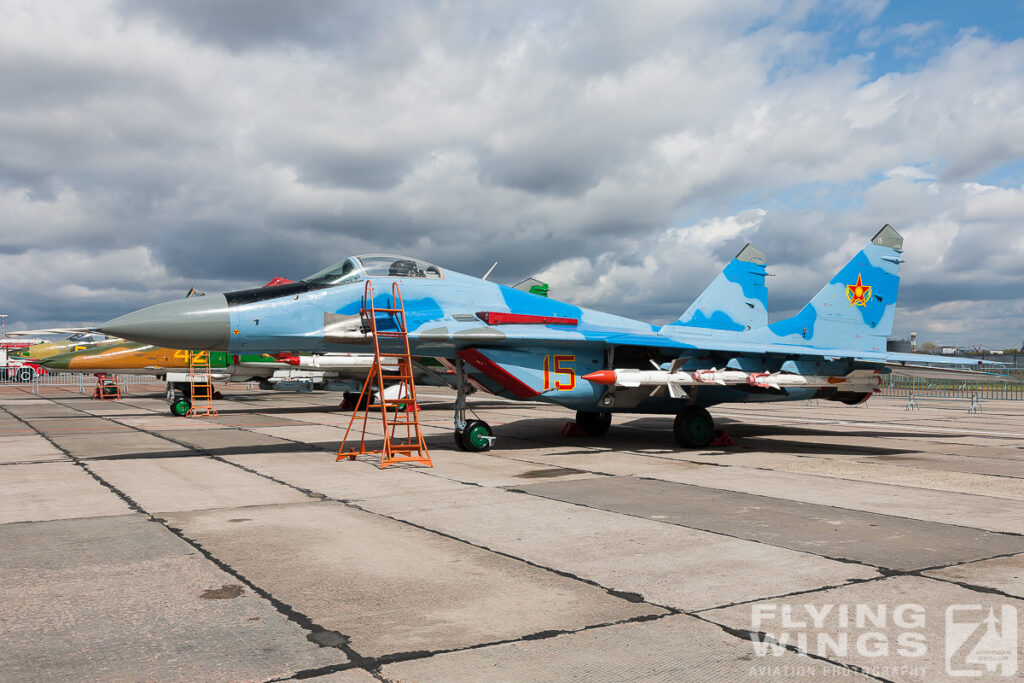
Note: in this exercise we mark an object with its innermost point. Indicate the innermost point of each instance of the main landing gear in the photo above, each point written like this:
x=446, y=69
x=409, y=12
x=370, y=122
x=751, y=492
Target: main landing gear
x=593, y=424
x=470, y=435
x=694, y=428
x=179, y=398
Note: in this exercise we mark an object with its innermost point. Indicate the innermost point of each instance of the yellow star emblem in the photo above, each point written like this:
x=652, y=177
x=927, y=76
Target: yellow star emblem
x=858, y=294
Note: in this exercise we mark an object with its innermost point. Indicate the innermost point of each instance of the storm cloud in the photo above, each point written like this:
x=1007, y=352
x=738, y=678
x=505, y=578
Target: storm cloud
x=623, y=153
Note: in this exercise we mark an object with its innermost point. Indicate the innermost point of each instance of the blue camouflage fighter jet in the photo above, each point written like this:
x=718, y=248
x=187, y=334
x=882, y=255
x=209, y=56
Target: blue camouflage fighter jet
x=521, y=345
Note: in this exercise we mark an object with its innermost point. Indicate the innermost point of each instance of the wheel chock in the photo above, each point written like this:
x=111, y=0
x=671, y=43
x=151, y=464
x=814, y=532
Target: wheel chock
x=572, y=429
x=722, y=438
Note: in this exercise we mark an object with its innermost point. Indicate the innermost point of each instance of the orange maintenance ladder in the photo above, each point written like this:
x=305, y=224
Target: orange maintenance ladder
x=200, y=381
x=107, y=387
x=397, y=447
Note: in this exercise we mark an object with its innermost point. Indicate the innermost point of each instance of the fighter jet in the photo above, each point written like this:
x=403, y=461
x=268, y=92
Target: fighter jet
x=76, y=341
x=136, y=358
x=524, y=346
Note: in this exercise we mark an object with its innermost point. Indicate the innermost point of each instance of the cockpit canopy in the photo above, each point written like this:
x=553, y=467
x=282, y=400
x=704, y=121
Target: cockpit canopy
x=86, y=337
x=357, y=268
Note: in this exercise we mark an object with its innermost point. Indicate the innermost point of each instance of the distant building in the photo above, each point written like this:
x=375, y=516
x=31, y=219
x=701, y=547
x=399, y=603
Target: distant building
x=899, y=346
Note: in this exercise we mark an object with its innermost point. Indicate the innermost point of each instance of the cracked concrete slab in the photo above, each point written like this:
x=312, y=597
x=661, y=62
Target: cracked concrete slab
x=1004, y=574
x=195, y=483
x=121, y=598
x=666, y=564
x=224, y=440
x=878, y=540
x=120, y=443
x=53, y=490
x=28, y=446
x=981, y=512
x=344, y=480
x=390, y=587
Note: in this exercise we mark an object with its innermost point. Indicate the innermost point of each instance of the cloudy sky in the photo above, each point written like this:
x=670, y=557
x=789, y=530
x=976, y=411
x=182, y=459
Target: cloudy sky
x=623, y=152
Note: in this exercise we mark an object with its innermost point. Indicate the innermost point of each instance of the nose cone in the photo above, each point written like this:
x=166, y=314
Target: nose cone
x=201, y=322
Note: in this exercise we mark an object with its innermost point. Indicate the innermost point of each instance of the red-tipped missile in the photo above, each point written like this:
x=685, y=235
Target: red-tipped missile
x=857, y=380
x=601, y=377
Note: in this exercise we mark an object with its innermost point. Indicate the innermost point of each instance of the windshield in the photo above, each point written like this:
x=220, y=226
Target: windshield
x=338, y=274
x=387, y=265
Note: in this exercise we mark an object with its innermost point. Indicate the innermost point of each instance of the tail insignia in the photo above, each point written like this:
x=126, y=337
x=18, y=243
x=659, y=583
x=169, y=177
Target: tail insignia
x=858, y=294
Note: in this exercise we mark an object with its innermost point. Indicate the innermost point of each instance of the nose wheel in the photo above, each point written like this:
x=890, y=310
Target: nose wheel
x=470, y=435
x=476, y=437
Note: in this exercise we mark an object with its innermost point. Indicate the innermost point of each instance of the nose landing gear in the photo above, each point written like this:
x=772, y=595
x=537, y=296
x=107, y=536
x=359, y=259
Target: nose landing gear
x=470, y=435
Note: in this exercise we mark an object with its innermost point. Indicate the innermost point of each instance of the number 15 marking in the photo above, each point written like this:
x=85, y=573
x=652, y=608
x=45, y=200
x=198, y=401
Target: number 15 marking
x=553, y=366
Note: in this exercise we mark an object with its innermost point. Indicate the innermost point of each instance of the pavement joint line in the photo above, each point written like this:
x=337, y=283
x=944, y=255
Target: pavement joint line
x=32, y=462
x=837, y=507
x=624, y=595
x=843, y=560
x=316, y=633
x=752, y=636
x=969, y=586
x=881, y=483
x=740, y=633
x=411, y=655
x=876, y=425
x=376, y=662
x=793, y=594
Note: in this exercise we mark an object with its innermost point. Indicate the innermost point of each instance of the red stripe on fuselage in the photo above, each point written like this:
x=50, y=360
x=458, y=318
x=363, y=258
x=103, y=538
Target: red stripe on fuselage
x=497, y=373
x=498, y=318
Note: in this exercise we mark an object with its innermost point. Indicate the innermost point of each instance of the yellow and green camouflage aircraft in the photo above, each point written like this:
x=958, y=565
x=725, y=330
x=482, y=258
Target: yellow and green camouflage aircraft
x=78, y=341
x=133, y=358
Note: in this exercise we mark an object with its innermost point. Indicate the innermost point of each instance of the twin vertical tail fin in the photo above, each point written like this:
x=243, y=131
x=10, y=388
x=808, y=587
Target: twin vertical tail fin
x=735, y=300
x=855, y=310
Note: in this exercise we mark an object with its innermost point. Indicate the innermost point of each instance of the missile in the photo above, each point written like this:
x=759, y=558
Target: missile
x=857, y=380
x=329, y=361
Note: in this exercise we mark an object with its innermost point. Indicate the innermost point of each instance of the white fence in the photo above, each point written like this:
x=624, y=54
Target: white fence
x=84, y=383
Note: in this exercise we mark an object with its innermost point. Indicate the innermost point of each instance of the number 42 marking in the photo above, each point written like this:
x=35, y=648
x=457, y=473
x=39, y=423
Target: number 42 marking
x=553, y=366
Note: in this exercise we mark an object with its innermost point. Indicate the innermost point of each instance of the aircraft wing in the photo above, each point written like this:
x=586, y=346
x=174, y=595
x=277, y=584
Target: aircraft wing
x=50, y=330
x=526, y=336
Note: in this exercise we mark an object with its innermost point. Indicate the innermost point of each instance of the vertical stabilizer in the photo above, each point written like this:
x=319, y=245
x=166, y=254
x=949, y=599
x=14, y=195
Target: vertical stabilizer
x=735, y=300
x=856, y=308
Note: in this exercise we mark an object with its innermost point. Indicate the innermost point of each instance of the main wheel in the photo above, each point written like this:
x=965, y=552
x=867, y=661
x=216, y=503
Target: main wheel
x=594, y=424
x=474, y=436
x=459, y=443
x=694, y=428
x=180, y=407
x=25, y=374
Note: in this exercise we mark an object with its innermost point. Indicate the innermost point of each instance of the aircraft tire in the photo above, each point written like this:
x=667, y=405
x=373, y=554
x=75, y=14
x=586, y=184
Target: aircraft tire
x=694, y=428
x=594, y=424
x=180, y=407
x=459, y=443
x=473, y=437
x=25, y=374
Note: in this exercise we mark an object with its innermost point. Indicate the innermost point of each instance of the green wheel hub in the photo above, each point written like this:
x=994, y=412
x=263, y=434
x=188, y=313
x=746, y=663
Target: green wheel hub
x=180, y=407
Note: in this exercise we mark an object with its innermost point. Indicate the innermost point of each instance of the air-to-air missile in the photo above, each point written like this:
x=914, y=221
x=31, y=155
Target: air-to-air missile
x=675, y=379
